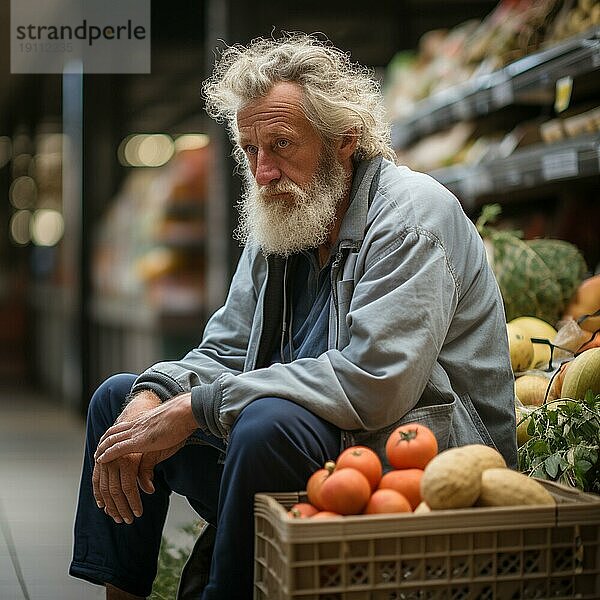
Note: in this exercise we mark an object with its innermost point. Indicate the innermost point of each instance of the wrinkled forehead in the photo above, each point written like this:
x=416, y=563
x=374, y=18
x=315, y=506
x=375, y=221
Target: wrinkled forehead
x=282, y=104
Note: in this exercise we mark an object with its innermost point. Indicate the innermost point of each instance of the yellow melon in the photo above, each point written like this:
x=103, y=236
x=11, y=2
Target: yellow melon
x=523, y=418
x=531, y=389
x=532, y=327
x=520, y=347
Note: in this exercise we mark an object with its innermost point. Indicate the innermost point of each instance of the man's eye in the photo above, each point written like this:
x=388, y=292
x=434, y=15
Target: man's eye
x=250, y=149
x=283, y=143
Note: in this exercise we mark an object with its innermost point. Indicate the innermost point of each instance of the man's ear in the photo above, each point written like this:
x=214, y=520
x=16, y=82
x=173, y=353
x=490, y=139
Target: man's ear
x=347, y=145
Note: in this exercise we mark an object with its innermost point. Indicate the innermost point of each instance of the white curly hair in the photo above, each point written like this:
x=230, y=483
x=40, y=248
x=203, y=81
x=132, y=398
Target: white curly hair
x=339, y=96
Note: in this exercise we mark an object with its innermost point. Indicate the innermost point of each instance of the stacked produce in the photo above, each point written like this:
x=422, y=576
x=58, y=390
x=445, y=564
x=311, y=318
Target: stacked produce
x=557, y=396
x=536, y=277
x=421, y=479
x=573, y=18
x=512, y=30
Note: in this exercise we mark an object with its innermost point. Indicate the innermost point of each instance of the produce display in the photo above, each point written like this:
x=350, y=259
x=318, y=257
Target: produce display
x=515, y=28
x=424, y=480
x=447, y=60
x=536, y=277
x=512, y=30
x=557, y=400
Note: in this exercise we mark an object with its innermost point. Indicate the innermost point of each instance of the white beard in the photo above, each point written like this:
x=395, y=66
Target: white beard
x=299, y=221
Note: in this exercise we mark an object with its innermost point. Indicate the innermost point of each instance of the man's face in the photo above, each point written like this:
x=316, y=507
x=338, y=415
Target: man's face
x=294, y=183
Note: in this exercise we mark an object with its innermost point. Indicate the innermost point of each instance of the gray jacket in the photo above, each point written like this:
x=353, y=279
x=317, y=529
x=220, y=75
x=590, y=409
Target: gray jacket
x=417, y=328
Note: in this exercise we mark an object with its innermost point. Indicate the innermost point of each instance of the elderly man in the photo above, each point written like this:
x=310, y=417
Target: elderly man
x=362, y=300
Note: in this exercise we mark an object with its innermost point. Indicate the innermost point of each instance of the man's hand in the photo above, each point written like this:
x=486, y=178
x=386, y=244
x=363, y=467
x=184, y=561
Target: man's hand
x=163, y=427
x=115, y=484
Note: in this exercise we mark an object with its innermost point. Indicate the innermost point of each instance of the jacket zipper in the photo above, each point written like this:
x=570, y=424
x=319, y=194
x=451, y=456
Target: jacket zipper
x=335, y=266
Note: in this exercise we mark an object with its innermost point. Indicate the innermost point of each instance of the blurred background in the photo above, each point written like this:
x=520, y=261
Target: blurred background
x=118, y=193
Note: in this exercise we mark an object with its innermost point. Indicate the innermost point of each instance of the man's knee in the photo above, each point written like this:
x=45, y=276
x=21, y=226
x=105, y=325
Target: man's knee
x=273, y=423
x=108, y=399
x=263, y=421
x=290, y=439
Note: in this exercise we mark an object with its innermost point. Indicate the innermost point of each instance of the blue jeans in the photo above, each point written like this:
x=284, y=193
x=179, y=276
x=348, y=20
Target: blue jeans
x=274, y=445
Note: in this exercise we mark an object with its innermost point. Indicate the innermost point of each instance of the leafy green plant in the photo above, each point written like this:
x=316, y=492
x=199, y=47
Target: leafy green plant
x=171, y=560
x=564, y=444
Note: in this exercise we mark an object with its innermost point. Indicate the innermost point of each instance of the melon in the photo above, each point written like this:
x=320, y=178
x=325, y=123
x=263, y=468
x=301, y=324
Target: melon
x=557, y=382
x=532, y=327
x=523, y=417
x=520, y=347
x=451, y=479
x=503, y=487
x=582, y=375
x=531, y=389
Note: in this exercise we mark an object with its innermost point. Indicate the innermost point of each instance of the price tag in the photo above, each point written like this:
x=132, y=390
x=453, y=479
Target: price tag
x=560, y=165
x=562, y=98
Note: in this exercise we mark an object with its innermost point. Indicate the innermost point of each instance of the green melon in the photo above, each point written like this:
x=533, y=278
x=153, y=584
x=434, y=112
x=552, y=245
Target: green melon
x=582, y=375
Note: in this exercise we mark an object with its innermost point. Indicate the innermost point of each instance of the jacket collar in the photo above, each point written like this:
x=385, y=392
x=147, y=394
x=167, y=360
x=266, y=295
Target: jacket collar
x=364, y=186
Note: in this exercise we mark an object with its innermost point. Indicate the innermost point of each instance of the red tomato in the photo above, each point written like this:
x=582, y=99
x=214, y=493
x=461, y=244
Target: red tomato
x=387, y=501
x=411, y=446
x=405, y=481
x=362, y=459
x=314, y=484
x=302, y=510
x=346, y=491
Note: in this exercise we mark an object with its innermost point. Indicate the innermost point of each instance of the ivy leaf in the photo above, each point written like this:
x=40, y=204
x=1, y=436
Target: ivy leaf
x=540, y=447
x=552, y=465
x=564, y=443
x=583, y=466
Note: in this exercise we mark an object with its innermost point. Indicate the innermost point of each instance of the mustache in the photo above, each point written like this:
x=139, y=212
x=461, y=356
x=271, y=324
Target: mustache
x=278, y=187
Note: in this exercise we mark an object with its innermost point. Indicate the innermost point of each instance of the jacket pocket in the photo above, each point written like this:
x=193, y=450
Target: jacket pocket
x=468, y=426
x=437, y=417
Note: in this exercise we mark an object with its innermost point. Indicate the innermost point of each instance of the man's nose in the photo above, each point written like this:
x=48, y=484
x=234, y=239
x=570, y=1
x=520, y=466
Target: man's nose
x=266, y=169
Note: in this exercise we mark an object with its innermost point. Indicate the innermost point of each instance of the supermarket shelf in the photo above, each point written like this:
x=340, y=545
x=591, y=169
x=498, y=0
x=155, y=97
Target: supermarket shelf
x=529, y=79
x=540, y=164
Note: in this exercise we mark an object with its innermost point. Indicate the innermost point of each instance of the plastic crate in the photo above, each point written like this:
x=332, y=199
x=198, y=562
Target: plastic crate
x=470, y=554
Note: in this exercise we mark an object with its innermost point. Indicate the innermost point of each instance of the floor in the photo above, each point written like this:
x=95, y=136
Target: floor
x=41, y=447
